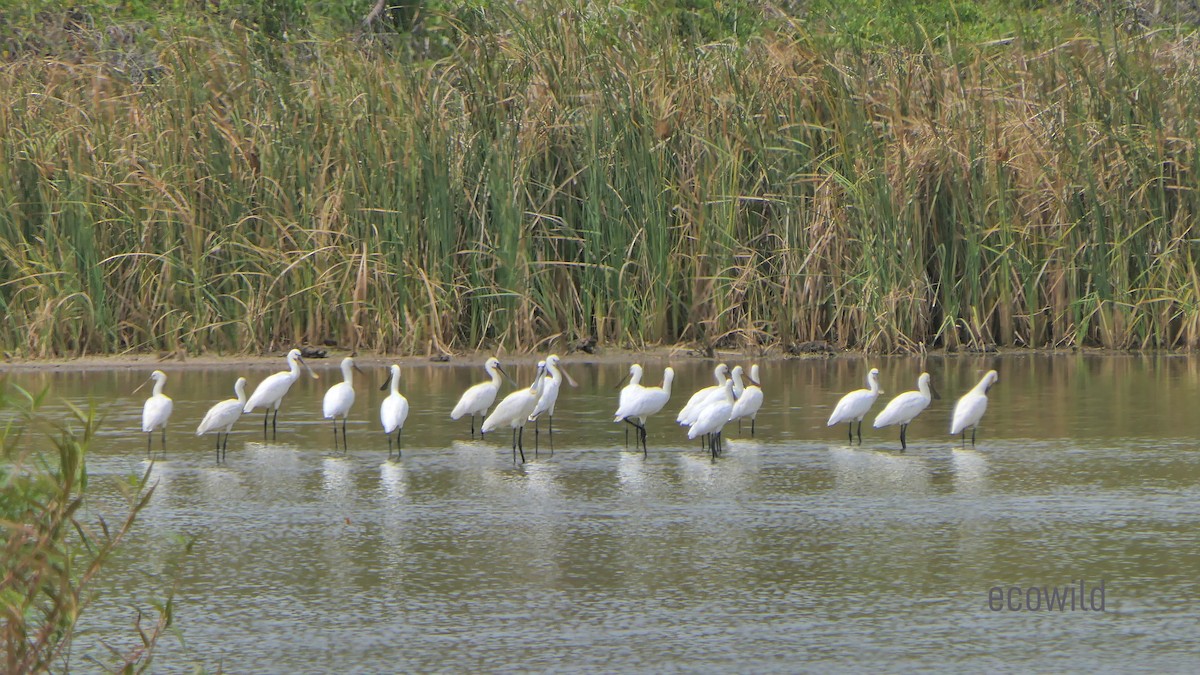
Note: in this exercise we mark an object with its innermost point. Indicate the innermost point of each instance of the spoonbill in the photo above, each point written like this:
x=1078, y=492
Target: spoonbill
x=854, y=406
x=223, y=416
x=270, y=392
x=642, y=402
x=749, y=401
x=478, y=398
x=514, y=410
x=905, y=407
x=394, y=409
x=339, y=398
x=156, y=410
x=634, y=378
x=970, y=408
x=545, y=403
x=712, y=418
x=687, y=416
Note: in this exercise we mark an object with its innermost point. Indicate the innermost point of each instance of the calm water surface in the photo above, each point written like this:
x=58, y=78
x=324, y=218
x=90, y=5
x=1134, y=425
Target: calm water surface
x=792, y=552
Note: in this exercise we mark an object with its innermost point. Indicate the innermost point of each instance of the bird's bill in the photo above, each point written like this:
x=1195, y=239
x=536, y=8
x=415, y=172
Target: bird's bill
x=570, y=380
x=537, y=376
x=505, y=374
x=623, y=380
x=139, y=387
x=355, y=366
x=387, y=380
x=310, y=370
x=933, y=390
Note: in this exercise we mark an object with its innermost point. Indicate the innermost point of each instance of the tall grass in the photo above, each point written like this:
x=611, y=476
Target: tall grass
x=571, y=172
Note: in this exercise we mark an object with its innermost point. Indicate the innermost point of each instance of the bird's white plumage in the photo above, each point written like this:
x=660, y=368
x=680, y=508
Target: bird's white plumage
x=222, y=416
x=905, y=407
x=340, y=397
x=157, y=409
x=394, y=409
x=642, y=402
x=854, y=406
x=970, y=408
x=513, y=410
x=750, y=400
x=270, y=392
x=702, y=398
x=550, y=388
x=631, y=390
x=738, y=385
x=712, y=418
x=477, y=399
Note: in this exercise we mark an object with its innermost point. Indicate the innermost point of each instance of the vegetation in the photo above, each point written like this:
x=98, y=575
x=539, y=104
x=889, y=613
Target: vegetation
x=52, y=554
x=465, y=175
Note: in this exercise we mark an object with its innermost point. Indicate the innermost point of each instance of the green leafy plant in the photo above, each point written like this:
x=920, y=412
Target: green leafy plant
x=53, y=555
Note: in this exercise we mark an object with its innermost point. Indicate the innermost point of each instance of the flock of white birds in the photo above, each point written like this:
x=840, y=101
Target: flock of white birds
x=736, y=395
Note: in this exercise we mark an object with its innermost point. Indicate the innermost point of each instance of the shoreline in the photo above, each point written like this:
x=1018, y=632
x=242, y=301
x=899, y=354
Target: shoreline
x=600, y=356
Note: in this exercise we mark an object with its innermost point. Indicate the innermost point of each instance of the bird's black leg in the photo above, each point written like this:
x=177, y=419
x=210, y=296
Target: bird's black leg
x=521, y=442
x=399, y=438
x=514, y=446
x=851, y=432
x=551, y=424
x=274, y=419
x=972, y=437
x=149, y=440
x=642, y=435
x=335, y=441
x=345, y=447
x=859, y=433
x=389, y=446
x=225, y=447
x=266, y=416
x=472, y=425
x=751, y=427
x=164, y=441
x=903, y=443
x=535, y=437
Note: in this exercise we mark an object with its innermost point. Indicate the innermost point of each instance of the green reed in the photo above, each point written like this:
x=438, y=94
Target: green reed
x=565, y=174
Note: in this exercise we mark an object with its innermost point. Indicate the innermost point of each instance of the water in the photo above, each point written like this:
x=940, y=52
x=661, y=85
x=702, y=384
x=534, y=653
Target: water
x=792, y=552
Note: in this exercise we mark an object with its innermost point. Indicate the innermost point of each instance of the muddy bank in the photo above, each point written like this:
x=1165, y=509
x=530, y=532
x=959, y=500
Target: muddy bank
x=606, y=355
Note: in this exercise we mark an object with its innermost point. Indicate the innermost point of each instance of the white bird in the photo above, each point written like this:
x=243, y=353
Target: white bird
x=641, y=402
x=270, y=392
x=514, y=409
x=156, y=410
x=223, y=415
x=854, y=406
x=970, y=408
x=700, y=399
x=339, y=399
x=477, y=399
x=749, y=401
x=712, y=418
x=738, y=385
x=549, y=396
x=634, y=377
x=905, y=407
x=394, y=409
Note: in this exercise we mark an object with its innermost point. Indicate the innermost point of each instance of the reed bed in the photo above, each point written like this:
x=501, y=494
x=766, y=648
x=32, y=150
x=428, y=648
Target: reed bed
x=575, y=173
